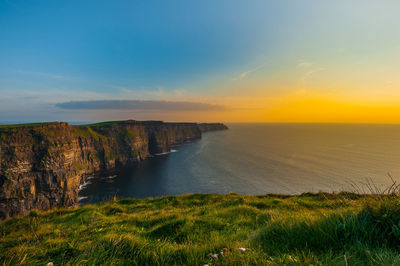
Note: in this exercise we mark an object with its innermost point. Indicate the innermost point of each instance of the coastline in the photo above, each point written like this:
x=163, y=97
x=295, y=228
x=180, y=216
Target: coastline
x=42, y=165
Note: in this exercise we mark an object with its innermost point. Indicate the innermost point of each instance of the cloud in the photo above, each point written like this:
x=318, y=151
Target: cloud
x=312, y=69
x=389, y=84
x=305, y=64
x=245, y=73
x=139, y=105
x=309, y=73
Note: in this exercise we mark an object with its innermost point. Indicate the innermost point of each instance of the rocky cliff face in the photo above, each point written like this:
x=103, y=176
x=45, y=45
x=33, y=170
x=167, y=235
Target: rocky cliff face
x=43, y=165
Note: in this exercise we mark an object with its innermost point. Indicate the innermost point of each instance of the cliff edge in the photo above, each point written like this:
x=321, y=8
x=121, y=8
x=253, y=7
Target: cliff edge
x=42, y=165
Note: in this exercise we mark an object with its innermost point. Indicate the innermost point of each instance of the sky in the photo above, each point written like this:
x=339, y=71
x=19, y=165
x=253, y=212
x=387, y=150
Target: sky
x=201, y=61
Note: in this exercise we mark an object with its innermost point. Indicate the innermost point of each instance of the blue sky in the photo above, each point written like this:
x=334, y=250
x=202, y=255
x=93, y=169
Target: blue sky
x=211, y=52
x=142, y=43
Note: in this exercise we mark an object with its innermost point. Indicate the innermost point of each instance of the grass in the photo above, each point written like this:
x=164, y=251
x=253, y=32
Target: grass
x=88, y=131
x=29, y=125
x=317, y=229
x=26, y=125
x=108, y=123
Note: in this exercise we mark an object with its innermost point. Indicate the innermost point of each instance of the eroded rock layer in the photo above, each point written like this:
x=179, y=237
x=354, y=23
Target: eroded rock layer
x=43, y=165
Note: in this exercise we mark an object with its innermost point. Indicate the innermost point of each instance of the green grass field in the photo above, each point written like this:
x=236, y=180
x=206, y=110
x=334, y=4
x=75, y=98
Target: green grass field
x=310, y=229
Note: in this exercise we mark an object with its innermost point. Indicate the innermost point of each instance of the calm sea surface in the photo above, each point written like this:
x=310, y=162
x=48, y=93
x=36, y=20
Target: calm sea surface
x=260, y=159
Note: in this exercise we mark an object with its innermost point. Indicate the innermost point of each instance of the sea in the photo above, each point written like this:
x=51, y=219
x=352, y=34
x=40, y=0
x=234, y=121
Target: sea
x=258, y=159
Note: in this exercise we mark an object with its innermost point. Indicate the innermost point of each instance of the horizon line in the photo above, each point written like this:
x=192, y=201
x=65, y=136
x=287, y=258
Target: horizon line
x=224, y=122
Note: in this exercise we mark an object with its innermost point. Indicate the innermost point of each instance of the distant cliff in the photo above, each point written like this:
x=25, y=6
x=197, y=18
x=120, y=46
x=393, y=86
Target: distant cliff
x=43, y=165
x=204, y=127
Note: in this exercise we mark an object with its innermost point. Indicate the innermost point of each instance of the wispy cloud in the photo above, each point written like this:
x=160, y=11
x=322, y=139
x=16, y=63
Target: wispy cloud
x=139, y=105
x=310, y=67
x=51, y=76
x=245, y=73
x=310, y=73
x=389, y=84
x=305, y=64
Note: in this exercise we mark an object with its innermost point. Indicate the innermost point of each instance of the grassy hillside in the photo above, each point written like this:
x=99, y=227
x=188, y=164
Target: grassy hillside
x=308, y=229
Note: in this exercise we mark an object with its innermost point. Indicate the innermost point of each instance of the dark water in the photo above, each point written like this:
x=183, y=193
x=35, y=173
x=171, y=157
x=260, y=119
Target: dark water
x=262, y=158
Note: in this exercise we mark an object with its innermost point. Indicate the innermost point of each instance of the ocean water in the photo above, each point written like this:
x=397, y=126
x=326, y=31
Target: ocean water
x=262, y=158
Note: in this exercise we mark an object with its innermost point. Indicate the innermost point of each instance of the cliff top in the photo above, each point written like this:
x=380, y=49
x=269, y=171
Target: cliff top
x=99, y=124
x=30, y=125
x=105, y=123
x=309, y=229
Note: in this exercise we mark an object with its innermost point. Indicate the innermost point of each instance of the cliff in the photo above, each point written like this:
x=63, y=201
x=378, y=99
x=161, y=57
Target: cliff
x=204, y=127
x=43, y=165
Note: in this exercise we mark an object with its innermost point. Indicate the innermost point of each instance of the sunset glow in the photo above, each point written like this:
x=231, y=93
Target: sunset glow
x=268, y=61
